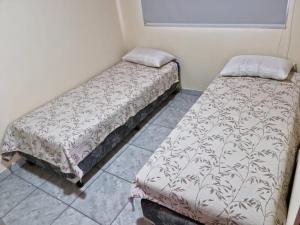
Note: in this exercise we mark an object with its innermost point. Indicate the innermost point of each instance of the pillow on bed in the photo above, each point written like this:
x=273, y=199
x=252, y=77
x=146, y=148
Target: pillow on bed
x=258, y=66
x=149, y=57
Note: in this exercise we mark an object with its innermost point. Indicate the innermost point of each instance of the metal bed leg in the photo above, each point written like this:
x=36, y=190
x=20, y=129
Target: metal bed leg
x=30, y=163
x=77, y=182
x=7, y=158
x=80, y=184
x=138, y=128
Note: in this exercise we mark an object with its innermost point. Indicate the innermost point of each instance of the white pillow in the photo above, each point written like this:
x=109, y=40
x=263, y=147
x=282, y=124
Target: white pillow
x=258, y=66
x=149, y=57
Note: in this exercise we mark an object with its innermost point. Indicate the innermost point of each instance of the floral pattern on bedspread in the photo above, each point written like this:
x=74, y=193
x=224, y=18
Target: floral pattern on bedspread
x=64, y=131
x=229, y=160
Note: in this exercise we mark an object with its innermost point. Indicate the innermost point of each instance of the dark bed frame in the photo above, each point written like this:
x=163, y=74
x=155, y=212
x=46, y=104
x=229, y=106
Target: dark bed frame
x=110, y=142
x=161, y=215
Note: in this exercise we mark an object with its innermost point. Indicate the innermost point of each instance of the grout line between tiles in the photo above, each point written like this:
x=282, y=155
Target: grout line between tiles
x=157, y=114
x=85, y=215
x=20, y=201
x=172, y=128
x=185, y=110
x=68, y=205
x=158, y=124
x=116, y=217
x=87, y=187
x=118, y=177
x=30, y=182
x=138, y=134
x=191, y=92
x=51, y=195
x=56, y=218
x=117, y=156
x=148, y=150
x=6, y=177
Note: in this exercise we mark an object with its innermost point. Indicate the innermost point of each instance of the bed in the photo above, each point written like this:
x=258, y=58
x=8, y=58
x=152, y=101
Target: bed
x=229, y=160
x=73, y=132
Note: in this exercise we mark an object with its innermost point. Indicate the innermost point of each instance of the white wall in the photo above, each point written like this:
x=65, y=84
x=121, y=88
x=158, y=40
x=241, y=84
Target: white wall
x=295, y=54
x=294, y=50
x=201, y=51
x=50, y=46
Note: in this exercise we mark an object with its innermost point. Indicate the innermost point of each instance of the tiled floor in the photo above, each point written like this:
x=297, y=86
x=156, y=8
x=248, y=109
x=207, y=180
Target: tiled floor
x=30, y=195
x=2, y=168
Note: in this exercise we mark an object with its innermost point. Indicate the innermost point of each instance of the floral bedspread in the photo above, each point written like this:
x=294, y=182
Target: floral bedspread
x=229, y=160
x=64, y=131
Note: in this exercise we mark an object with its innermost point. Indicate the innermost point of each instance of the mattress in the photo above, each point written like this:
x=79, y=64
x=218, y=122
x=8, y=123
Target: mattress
x=230, y=159
x=66, y=130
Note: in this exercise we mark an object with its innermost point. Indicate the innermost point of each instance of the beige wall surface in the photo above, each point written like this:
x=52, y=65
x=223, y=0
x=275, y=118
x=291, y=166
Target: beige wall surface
x=294, y=50
x=202, y=51
x=295, y=54
x=50, y=46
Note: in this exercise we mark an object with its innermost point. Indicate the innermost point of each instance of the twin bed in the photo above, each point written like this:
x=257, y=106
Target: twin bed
x=73, y=132
x=228, y=161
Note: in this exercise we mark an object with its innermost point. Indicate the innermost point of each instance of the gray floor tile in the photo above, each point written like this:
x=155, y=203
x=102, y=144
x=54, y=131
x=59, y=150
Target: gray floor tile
x=66, y=191
x=152, y=137
x=111, y=157
x=33, y=174
x=4, y=174
x=149, y=120
x=104, y=199
x=158, y=111
x=129, y=163
x=183, y=101
x=192, y=92
x=18, y=164
x=137, y=133
x=39, y=208
x=1, y=221
x=170, y=117
x=72, y=217
x=130, y=217
x=12, y=191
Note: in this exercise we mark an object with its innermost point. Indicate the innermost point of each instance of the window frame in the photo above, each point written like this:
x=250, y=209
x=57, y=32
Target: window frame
x=203, y=25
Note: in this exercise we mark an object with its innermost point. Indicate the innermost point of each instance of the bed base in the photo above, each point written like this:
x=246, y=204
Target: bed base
x=110, y=142
x=161, y=215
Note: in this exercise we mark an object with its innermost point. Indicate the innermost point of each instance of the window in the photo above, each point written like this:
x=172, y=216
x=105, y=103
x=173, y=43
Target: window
x=223, y=13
